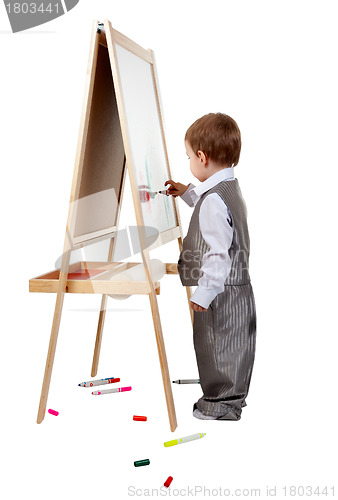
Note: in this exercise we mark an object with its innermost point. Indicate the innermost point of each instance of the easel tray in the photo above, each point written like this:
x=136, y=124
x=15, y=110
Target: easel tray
x=94, y=277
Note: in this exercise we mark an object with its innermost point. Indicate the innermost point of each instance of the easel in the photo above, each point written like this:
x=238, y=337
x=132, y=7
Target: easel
x=100, y=95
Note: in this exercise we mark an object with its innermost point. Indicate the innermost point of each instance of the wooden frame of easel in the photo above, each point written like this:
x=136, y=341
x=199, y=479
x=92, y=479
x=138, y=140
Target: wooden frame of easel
x=61, y=281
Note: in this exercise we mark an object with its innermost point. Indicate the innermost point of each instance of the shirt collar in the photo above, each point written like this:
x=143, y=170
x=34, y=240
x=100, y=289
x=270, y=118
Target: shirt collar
x=225, y=174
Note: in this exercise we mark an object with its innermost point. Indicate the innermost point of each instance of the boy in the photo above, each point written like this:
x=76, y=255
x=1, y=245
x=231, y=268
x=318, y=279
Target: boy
x=215, y=257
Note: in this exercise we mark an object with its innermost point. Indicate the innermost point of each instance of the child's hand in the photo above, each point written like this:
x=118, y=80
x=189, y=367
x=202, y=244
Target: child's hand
x=176, y=188
x=196, y=307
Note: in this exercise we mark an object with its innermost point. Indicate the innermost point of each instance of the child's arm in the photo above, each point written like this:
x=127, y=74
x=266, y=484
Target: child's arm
x=217, y=231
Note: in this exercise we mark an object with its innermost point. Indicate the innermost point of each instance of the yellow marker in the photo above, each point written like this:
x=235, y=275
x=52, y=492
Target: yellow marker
x=185, y=439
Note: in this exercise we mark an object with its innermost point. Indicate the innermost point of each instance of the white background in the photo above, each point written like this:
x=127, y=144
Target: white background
x=272, y=66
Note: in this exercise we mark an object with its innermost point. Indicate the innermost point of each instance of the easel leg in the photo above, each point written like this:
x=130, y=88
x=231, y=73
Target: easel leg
x=163, y=362
x=99, y=336
x=102, y=315
x=50, y=356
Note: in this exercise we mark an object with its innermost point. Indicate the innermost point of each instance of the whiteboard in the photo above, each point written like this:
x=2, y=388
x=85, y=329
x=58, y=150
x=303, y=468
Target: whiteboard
x=145, y=139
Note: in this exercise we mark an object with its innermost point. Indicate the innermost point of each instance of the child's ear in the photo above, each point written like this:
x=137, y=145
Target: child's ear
x=203, y=157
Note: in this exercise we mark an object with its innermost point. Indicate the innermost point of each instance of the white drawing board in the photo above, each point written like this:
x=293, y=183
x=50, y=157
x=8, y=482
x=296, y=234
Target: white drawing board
x=149, y=161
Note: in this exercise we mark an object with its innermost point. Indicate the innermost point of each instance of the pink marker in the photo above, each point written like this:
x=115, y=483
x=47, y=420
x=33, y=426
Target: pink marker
x=109, y=391
x=53, y=412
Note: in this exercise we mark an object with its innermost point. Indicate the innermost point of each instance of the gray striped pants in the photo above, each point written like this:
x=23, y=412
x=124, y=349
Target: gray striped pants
x=224, y=341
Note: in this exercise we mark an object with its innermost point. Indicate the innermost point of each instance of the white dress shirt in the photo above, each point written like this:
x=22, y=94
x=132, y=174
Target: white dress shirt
x=216, y=228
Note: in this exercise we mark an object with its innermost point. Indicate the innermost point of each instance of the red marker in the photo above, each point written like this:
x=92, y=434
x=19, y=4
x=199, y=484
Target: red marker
x=139, y=418
x=102, y=381
x=168, y=482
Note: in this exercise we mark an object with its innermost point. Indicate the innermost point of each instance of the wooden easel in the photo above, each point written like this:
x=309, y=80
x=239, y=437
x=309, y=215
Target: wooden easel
x=104, y=119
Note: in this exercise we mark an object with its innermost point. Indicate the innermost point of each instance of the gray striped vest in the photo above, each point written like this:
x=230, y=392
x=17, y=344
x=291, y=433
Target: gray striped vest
x=194, y=246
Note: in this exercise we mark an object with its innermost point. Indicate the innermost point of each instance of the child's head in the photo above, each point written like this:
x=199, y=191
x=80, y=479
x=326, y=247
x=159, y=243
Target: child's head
x=215, y=140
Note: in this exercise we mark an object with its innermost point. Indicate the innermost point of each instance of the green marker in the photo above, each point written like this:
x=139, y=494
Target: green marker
x=139, y=463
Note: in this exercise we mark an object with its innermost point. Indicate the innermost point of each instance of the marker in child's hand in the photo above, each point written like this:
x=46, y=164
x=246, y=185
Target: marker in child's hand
x=166, y=191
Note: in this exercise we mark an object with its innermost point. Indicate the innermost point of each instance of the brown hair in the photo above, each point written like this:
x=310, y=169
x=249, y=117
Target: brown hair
x=218, y=136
